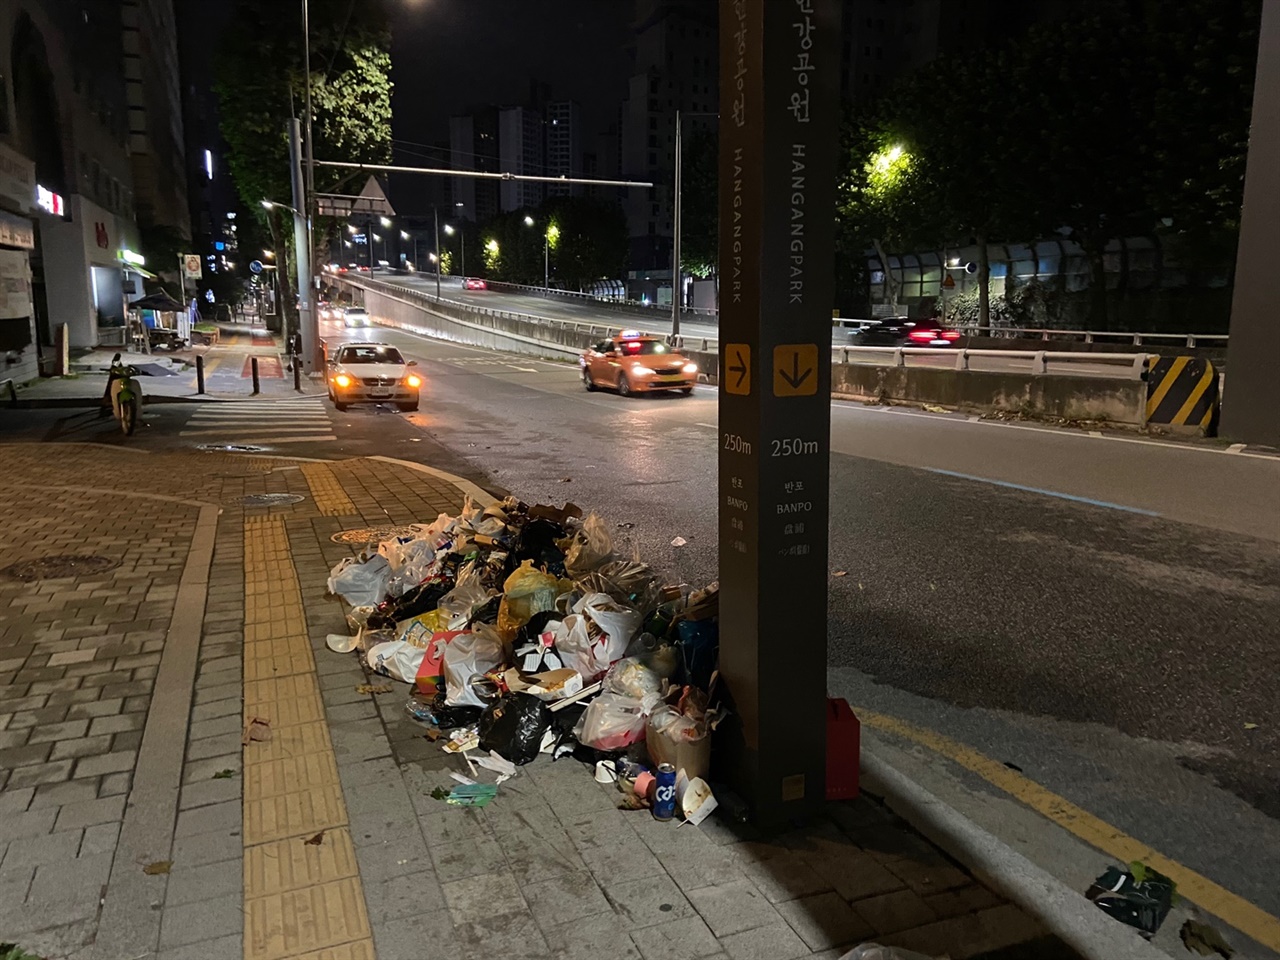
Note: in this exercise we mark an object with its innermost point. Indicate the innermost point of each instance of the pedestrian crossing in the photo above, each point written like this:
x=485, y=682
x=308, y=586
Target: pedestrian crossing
x=300, y=420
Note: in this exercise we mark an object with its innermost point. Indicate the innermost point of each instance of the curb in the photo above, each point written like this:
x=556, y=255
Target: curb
x=481, y=496
x=1059, y=908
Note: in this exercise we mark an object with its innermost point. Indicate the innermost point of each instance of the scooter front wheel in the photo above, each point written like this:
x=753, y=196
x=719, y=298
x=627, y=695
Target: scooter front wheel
x=129, y=416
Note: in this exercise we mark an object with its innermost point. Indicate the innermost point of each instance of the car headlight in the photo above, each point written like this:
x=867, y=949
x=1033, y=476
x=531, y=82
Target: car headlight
x=640, y=371
x=413, y=381
x=342, y=380
x=690, y=368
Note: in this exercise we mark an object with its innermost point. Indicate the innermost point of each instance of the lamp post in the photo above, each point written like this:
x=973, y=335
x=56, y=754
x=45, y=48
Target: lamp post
x=462, y=243
x=404, y=235
x=546, y=254
x=676, y=215
x=435, y=213
x=462, y=238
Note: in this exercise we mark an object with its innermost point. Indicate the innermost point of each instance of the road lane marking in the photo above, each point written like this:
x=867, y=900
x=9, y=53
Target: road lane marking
x=1200, y=890
x=1236, y=447
x=239, y=430
x=711, y=426
x=1043, y=492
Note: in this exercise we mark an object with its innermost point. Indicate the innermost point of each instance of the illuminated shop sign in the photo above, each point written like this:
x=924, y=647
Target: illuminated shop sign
x=50, y=202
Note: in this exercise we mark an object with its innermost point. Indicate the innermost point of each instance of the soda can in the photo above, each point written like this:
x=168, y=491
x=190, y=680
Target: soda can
x=664, y=793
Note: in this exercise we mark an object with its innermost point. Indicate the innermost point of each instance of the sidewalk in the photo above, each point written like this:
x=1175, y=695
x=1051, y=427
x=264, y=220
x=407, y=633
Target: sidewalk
x=171, y=375
x=136, y=824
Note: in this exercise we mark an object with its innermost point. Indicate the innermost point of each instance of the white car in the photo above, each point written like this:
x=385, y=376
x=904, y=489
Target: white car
x=372, y=373
x=355, y=317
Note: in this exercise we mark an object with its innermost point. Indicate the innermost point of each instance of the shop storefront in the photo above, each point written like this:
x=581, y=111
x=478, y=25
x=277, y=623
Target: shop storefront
x=17, y=239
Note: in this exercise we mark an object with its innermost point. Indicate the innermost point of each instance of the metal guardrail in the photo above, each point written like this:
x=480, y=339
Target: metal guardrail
x=1093, y=336
x=612, y=302
x=1039, y=360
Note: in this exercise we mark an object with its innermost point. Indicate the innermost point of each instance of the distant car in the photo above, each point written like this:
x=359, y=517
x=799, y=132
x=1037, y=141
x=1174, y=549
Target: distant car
x=372, y=373
x=904, y=332
x=637, y=363
x=474, y=283
x=355, y=317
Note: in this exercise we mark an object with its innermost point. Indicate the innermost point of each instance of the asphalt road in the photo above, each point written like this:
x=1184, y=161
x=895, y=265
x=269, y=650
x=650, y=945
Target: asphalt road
x=1100, y=611
x=535, y=305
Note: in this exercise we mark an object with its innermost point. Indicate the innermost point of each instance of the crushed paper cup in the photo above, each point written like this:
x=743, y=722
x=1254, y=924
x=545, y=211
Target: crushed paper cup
x=340, y=642
x=606, y=772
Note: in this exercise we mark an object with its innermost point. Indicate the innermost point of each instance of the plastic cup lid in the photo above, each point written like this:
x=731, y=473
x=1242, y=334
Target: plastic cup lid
x=340, y=642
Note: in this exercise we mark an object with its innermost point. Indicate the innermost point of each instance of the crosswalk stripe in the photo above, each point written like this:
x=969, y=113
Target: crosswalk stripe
x=224, y=432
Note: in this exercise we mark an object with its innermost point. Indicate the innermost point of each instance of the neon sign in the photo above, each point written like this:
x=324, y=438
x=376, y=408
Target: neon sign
x=50, y=202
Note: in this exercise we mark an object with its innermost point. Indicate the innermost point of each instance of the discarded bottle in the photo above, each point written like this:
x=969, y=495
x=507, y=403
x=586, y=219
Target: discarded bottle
x=664, y=794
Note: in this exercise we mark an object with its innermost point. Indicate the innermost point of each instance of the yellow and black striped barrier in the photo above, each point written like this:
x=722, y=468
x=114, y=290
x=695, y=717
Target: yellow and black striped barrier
x=1183, y=392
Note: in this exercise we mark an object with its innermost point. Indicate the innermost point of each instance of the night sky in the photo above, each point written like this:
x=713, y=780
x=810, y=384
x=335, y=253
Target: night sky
x=450, y=55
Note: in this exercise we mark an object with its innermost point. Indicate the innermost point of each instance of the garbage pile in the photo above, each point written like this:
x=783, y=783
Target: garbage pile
x=523, y=634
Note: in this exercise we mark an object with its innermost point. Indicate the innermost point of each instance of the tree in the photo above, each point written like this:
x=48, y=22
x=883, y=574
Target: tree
x=261, y=84
x=589, y=239
x=699, y=238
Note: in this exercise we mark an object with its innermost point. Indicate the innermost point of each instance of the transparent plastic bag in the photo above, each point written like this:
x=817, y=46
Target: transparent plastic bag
x=616, y=621
x=469, y=593
x=874, y=951
x=361, y=584
x=611, y=722
x=589, y=547
x=631, y=678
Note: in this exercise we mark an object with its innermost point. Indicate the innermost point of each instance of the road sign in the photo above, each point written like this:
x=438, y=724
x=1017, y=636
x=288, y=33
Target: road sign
x=255, y=266
x=779, y=119
x=795, y=370
x=737, y=366
x=191, y=267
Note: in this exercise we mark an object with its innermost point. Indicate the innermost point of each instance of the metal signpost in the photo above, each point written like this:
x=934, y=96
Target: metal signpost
x=779, y=124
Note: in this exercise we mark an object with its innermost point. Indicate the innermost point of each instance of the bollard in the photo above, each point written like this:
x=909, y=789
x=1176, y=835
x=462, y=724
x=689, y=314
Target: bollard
x=297, y=373
x=199, y=373
x=253, y=362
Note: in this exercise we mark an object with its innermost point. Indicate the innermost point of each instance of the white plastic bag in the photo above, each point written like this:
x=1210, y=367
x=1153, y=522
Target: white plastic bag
x=591, y=546
x=873, y=951
x=469, y=655
x=576, y=649
x=360, y=584
x=619, y=623
x=397, y=659
x=631, y=678
x=611, y=722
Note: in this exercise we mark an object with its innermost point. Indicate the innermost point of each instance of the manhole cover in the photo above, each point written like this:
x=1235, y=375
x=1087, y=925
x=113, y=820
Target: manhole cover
x=230, y=448
x=65, y=565
x=373, y=534
x=269, y=499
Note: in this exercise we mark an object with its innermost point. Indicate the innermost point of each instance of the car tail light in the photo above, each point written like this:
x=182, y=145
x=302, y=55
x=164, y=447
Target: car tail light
x=342, y=380
x=921, y=336
x=413, y=381
x=950, y=334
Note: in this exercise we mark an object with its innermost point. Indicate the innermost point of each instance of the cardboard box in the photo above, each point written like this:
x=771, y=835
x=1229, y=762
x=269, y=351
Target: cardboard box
x=691, y=756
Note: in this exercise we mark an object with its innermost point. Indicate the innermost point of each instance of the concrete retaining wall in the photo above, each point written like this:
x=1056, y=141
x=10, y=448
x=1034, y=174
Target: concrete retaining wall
x=1071, y=398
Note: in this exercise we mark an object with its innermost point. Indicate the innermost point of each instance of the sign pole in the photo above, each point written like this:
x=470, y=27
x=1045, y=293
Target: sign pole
x=779, y=122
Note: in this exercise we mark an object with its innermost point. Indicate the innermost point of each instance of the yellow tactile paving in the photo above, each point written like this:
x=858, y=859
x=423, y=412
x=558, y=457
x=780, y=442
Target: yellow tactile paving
x=359, y=950
x=287, y=924
x=302, y=901
x=330, y=498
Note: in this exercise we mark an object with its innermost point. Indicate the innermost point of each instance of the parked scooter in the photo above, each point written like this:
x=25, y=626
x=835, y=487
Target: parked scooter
x=125, y=394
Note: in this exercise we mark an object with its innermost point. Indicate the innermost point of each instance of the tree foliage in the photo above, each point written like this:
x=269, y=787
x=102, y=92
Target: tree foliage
x=1119, y=120
x=261, y=83
x=700, y=189
x=587, y=242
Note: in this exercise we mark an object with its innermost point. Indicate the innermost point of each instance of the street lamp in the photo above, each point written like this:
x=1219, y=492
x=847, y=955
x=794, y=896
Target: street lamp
x=462, y=244
x=551, y=231
x=271, y=205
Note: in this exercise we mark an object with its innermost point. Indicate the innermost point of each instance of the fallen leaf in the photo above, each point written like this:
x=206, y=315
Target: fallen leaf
x=566, y=479
x=1013, y=766
x=433, y=734
x=1251, y=726
x=1204, y=940
x=934, y=408
x=440, y=793
x=316, y=840
x=256, y=729
x=373, y=688
x=224, y=775
x=840, y=573
x=157, y=868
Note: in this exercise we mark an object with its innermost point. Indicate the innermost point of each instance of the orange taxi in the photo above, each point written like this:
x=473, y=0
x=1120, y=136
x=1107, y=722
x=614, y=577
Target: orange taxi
x=635, y=362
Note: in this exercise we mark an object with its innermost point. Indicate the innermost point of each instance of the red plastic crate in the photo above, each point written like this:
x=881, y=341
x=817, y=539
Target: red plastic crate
x=844, y=745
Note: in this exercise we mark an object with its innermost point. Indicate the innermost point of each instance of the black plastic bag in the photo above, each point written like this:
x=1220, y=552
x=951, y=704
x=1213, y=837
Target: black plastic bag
x=513, y=726
x=449, y=718
x=421, y=599
x=487, y=613
x=537, y=542
x=537, y=626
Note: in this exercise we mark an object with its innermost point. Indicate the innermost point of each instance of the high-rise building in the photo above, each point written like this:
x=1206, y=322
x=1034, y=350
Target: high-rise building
x=521, y=149
x=473, y=145
x=564, y=146
x=153, y=91
x=675, y=69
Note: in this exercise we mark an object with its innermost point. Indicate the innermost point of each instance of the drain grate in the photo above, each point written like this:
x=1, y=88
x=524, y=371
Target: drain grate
x=373, y=534
x=230, y=448
x=64, y=565
x=268, y=499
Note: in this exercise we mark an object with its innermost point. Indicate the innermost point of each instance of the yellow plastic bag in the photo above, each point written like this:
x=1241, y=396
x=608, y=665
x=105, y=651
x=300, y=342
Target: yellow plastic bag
x=526, y=592
x=418, y=631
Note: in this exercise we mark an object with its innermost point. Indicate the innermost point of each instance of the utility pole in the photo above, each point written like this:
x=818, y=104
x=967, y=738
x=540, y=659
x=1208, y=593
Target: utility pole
x=436, y=214
x=675, y=239
x=311, y=324
x=546, y=262
x=308, y=322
